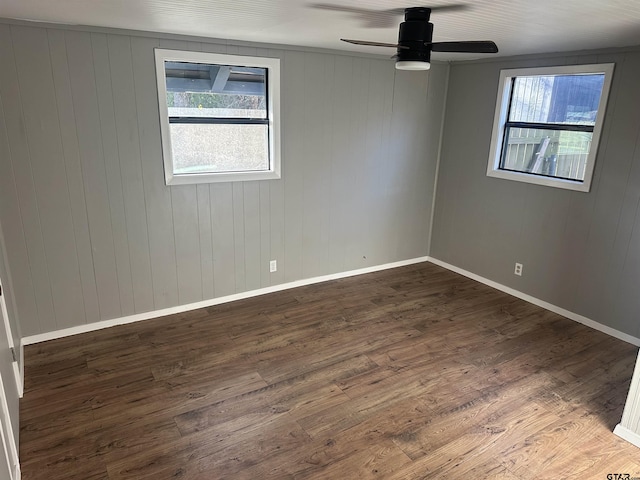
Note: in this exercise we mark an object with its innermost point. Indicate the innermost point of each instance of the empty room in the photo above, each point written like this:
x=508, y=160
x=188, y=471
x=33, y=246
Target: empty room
x=298, y=240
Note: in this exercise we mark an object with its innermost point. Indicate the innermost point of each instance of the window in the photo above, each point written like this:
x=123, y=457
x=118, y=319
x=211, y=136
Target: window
x=547, y=124
x=219, y=116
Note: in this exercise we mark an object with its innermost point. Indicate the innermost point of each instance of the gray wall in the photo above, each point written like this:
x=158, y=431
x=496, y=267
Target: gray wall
x=92, y=232
x=581, y=251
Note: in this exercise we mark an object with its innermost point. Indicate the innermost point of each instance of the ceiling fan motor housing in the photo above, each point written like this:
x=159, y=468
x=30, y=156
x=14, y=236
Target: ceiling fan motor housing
x=415, y=31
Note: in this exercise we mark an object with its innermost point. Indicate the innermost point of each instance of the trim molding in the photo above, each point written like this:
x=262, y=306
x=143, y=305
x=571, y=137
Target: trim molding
x=628, y=435
x=18, y=370
x=541, y=303
x=7, y=438
x=439, y=155
x=90, y=327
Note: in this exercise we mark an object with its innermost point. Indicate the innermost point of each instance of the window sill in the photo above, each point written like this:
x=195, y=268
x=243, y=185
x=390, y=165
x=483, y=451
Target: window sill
x=538, y=180
x=197, y=178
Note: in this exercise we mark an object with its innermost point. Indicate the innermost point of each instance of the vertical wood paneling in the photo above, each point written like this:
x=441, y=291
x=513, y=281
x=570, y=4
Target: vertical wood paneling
x=380, y=97
x=113, y=172
x=415, y=123
x=626, y=302
x=317, y=87
x=237, y=199
x=206, y=240
x=544, y=218
x=128, y=140
x=73, y=170
x=136, y=244
x=400, y=151
x=224, y=257
x=48, y=170
x=251, y=215
x=157, y=195
x=395, y=169
x=421, y=184
x=388, y=235
x=367, y=169
x=622, y=265
x=21, y=281
x=90, y=142
x=252, y=235
x=184, y=202
x=294, y=155
x=438, y=77
x=272, y=214
x=458, y=181
x=355, y=203
x=277, y=229
x=20, y=160
x=624, y=271
x=618, y=149
x=92, y=222
x=579, y=250
x=339, y=152
x=380, y=90
x=265, y=229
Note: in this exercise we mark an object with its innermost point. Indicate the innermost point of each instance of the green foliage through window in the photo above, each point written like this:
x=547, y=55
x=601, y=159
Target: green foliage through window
x=215, y=100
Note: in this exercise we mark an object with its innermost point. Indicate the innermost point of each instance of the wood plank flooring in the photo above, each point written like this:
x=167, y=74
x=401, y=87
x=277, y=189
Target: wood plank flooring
x=414, y=372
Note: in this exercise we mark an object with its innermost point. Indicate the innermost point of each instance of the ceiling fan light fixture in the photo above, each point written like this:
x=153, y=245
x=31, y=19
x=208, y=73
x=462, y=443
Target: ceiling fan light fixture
x=415, y=41
x=412, y=65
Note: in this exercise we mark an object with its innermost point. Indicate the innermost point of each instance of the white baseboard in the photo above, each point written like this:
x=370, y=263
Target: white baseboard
x=541, y=303
x=43, y=337
x=628, y=435
x=90, y=327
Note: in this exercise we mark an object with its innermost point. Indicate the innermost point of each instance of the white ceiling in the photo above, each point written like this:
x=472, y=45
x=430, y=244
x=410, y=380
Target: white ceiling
x=517, y=26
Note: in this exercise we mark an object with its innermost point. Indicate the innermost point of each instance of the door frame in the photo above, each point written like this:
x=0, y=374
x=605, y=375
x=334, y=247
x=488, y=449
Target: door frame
x=7, y=439
x=18, y=367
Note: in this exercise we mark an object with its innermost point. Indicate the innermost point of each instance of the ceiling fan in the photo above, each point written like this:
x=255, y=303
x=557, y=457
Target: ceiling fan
x=415, y=43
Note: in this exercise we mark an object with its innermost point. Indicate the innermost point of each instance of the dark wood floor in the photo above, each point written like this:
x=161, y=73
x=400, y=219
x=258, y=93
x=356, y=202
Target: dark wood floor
x=414, y=372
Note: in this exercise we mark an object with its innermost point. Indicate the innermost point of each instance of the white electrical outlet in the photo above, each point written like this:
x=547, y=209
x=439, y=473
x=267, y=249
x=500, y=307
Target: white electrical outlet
x=518, y=269
x=273, y=266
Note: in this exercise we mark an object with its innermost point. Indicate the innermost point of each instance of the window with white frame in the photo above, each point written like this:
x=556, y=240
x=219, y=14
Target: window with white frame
x=547, y=124
x=219, y=116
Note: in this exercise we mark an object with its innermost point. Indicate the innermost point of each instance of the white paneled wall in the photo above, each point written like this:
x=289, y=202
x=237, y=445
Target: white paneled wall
x=629, y=426
x=93, y=233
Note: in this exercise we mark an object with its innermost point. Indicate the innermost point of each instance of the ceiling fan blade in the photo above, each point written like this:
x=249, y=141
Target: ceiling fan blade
x=442, y=8
x=340, y=8
x=480, y=46
x=371, y=18
x=372, y=44
x=381, y=18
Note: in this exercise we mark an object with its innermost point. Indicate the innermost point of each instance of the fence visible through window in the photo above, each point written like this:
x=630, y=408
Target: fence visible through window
x=550, y=124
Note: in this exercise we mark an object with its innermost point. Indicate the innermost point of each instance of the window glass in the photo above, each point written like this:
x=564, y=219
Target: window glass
x=204, y=148
x=561, y=99
x=547, y=124
x=218, y=116
x=554, y=153
x=218, y=91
